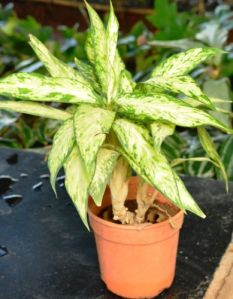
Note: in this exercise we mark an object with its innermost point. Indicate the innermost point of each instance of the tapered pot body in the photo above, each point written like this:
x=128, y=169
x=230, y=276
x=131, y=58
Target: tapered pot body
x=135, y=261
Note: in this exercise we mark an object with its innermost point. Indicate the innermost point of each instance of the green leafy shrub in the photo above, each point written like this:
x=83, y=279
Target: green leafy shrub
x=213, y=31
x=172, y=24
x=114, y=125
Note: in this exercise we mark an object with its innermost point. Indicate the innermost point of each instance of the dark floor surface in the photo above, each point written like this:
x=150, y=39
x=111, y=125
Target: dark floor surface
x=46, y=252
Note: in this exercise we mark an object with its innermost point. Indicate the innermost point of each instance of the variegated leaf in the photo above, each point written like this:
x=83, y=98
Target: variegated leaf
x=178, y=161
x=87, y=72
x=163, y=107
x=105, y=163
x=160, y=131
x=89, y=47
x=77, y=183
x=125, y=81
x=186, y=198
x=35, y=109
x=91, y=126
x=55, y=67
x=112, y=35
x=135, y=167
x=144, y=88
x=98, y=40
x=101, y=46
x=181, y=84
x=183, y=44
x=209, y=147
x=182, y=63
x=104, y=44
x=84, y=68
x=63, y=143
x=111, y=39
x=36, y=87
x=150, y=164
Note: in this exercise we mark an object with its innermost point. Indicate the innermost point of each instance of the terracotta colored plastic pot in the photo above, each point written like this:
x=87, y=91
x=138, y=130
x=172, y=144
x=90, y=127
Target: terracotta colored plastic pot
x=135, y=261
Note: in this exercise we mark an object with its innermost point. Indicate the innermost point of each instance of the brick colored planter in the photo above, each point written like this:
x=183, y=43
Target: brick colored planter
x=135, y=261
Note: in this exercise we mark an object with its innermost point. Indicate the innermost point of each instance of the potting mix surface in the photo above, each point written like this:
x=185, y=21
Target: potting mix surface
x=47, y=253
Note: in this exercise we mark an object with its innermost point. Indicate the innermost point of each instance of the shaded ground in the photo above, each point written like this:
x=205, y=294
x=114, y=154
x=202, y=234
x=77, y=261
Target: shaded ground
x=46, y=253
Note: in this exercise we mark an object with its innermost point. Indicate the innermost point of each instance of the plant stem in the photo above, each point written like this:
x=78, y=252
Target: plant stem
x=144, y=201
x=119, y=190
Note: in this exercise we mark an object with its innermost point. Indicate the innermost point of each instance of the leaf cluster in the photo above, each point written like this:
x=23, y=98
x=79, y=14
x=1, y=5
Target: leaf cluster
x=110, y=115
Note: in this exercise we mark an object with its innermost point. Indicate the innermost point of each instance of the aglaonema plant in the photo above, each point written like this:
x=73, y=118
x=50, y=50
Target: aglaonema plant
x=113, y=125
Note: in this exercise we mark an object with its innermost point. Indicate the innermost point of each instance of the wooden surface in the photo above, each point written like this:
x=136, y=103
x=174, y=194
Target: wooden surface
x=97, y=6
x=59, y=12
x=221, y=286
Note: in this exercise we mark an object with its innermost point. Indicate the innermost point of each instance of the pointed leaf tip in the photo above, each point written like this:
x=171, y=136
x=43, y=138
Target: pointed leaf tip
x=208, y=145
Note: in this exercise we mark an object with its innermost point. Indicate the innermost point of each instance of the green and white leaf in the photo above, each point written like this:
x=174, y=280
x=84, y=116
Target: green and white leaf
x=89, y=47
x=178, y=161
x=84, y=68
x=87, y=72
x=160, y=131
x=144, y=88
x=181, y=84
x=105, y=163
x=77, y=183
x=112, y=35
x=183, y=44
x=124, y=78
x=63, y=143
x=36, y=87
x=126, y=82
x=35, y=109
x=91, y=126
x=209, y=147
x=186, y=197
x=162, y=107
x=111, y=38
x=182, y=63
x=98, y=54
x=150, y=164
x=55, y=67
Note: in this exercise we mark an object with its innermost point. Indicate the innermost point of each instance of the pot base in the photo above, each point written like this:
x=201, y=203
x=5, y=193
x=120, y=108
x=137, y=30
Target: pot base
x=130, y=295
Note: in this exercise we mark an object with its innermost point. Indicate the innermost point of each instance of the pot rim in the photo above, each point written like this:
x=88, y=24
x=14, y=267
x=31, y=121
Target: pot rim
x=144, y=226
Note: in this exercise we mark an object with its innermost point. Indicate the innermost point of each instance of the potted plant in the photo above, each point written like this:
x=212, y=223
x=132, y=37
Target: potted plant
x=111, y=126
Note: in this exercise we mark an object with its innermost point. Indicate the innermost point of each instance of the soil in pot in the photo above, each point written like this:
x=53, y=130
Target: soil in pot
x=160, y=212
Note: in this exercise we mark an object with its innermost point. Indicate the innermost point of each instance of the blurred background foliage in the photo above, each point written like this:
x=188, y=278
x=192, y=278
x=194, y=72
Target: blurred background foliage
x=164, y=31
